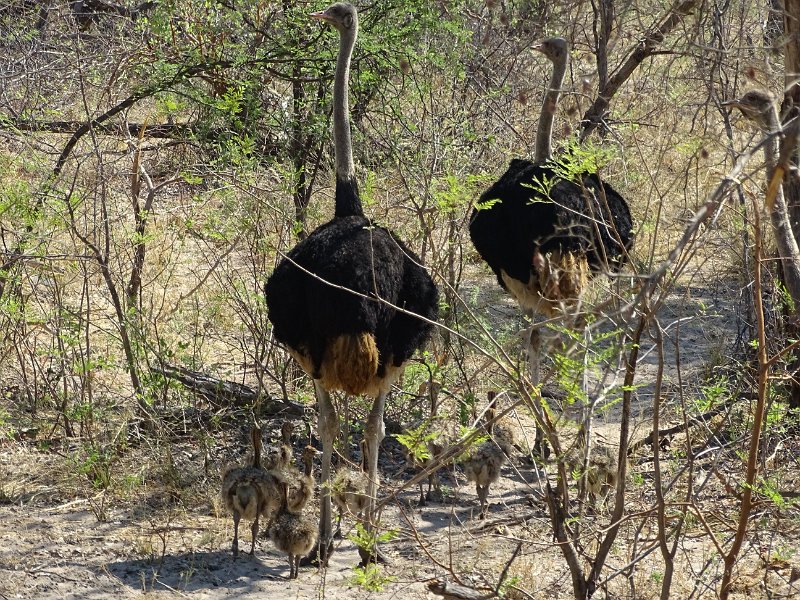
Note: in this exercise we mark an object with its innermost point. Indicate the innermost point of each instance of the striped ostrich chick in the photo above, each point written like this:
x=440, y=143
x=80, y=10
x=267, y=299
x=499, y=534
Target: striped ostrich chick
x=294, y=533
x=349, y=489
x=250, y=492
x=485, y=464
x=280, y=458
x=602, y=468
x=301, y=487
x=351, y=302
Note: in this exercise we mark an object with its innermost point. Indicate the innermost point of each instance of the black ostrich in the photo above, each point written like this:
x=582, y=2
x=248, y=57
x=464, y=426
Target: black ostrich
x=344, y=301
x=544, y=236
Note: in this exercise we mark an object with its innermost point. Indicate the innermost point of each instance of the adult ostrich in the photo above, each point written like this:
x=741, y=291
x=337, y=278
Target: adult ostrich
x=543, y=235
x=345, y=301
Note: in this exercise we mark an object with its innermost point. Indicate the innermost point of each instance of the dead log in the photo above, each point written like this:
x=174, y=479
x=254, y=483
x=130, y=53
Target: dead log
x=221, y=392
x=455, y=591
x=680, y=428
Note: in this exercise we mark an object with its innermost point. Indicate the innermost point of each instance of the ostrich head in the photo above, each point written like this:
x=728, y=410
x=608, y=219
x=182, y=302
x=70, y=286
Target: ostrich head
x=309, y=452
x=554, y=48
x=757, y=106
x=342, y=16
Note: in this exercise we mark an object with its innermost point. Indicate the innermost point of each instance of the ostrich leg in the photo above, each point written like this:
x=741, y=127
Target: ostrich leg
x=327, y=429
x=373, y=435
x=534, y=354
x=535, y=345
x=236, y=518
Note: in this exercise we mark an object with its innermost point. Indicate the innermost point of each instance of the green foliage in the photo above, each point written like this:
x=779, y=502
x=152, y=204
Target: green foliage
x=248, y=73
x=464, y=433
x=416, y=440
x=572, y=162
x=713, y=394
x=370, y=578
x=7, y=429
x=424, y=370
x=506, y=586
x=576, y=358
x=94, y=462
x=768, y=488
x=783, y=553
x=785, y=297
x=466, y=407
x=486, y=205
x=657, y=576
x=366, y=540
x=453, y=193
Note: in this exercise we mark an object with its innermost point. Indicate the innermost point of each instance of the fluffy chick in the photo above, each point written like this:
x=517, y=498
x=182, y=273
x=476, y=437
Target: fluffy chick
x=280, y=457
x=301, y=487
x=484, y=465
x=250, y=492
x=293, y=533
x=349, y=490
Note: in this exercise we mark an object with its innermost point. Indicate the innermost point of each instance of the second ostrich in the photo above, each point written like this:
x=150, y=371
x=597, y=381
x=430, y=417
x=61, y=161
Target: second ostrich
x=347, y=300
x=543, y=235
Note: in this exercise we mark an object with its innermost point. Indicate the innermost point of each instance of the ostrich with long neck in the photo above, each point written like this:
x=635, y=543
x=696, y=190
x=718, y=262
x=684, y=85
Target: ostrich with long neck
x=542, y=235
x=350, y=302
x=759, y=107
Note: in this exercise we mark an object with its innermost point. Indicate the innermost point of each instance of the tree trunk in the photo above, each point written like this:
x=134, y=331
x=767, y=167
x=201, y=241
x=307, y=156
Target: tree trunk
x=791, y=183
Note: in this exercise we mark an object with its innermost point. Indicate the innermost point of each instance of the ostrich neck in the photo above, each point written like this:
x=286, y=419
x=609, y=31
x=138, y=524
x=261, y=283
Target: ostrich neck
x=770, y=126
x=544, y=134
x=256, y=438
x=347, y=200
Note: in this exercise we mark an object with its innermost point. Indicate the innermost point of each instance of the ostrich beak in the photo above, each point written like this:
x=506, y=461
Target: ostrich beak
x=537, y=46
x=320, y=15
x=731, y=104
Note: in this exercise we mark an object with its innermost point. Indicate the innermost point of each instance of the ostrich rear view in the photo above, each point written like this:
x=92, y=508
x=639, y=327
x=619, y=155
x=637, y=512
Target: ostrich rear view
x=542, y=235
x=345, y=300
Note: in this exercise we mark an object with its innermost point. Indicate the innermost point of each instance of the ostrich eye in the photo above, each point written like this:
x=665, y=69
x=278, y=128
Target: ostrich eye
x=348, y=21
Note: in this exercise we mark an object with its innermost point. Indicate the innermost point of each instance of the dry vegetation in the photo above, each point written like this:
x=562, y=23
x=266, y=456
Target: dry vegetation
x=141, y=244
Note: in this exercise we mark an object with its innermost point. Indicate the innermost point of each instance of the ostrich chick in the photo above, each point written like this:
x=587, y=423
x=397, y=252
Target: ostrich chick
x=349, y=490
x=602, y=470
x=301, y=489
x=426, y=441
x=433, y=450
x=280, y=458
x=250, y=492
x=484, y=466
x=293, y=533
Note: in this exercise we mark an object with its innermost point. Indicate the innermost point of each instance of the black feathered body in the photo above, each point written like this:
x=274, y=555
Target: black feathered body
x=544, y=236
x=352, y=342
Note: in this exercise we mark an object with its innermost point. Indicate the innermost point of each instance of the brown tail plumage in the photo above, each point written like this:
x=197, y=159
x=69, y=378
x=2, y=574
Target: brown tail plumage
x=351, y=363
